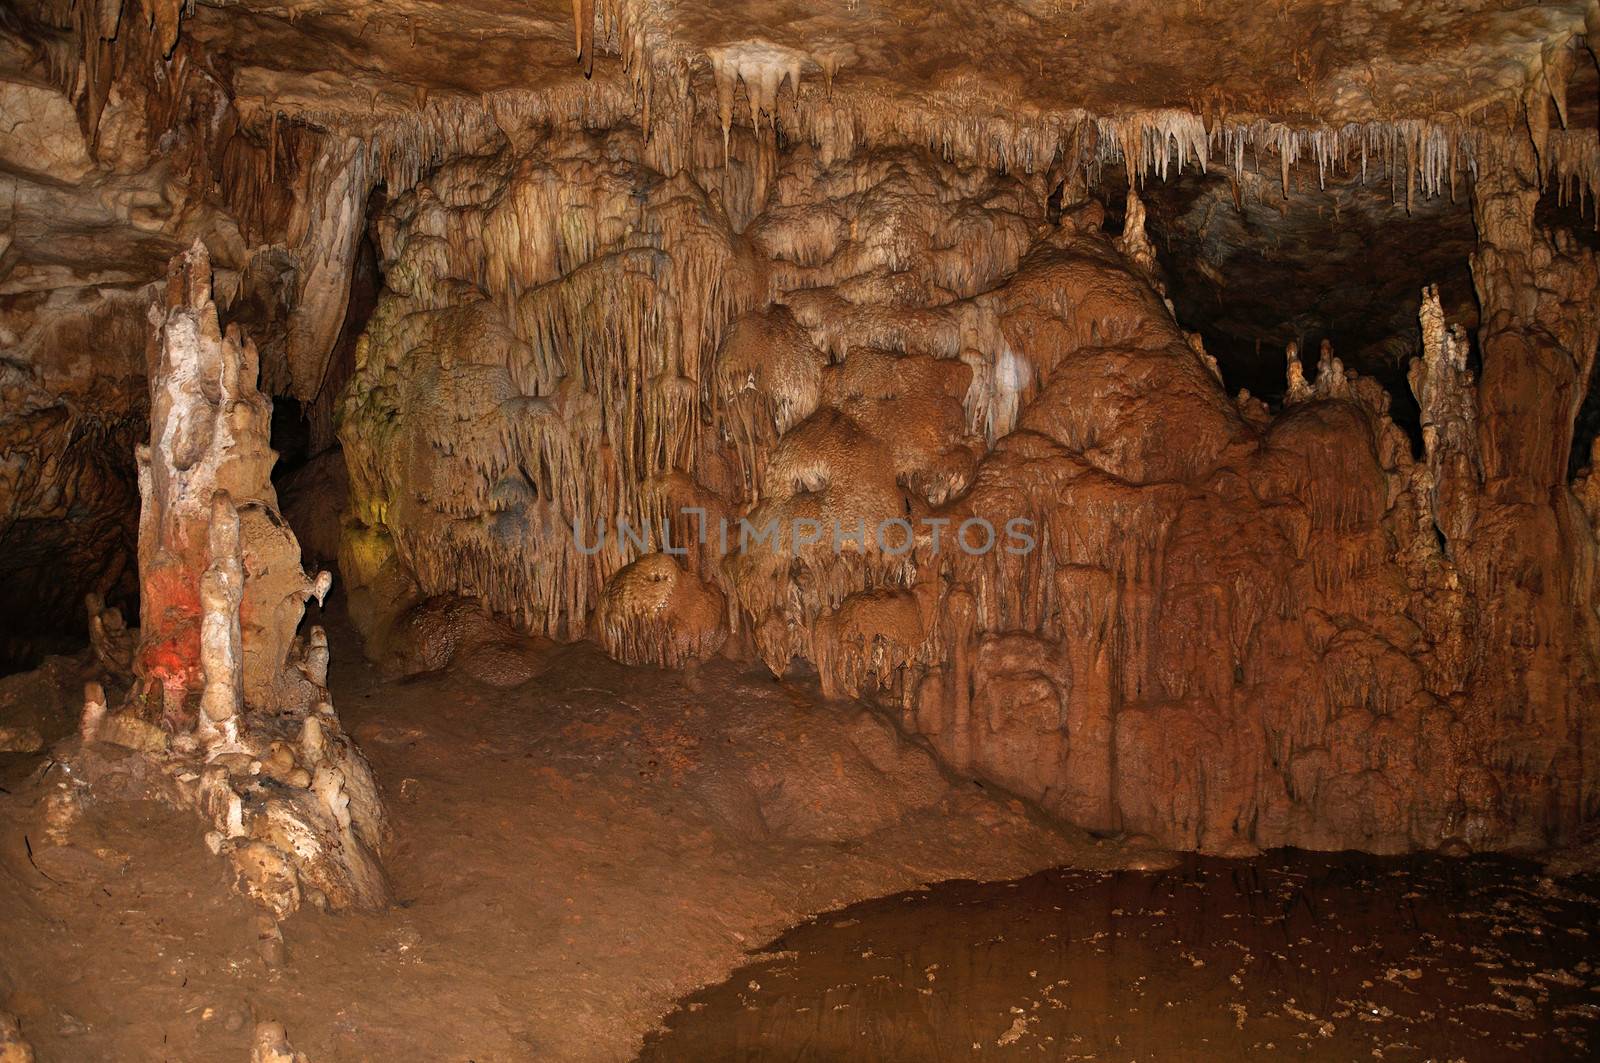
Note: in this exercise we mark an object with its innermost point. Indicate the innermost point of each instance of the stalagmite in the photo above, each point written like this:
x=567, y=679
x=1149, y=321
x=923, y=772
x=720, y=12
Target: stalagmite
x=221, y=652
x=654, y=612
x=1134, y=243
x=223, y=683
x=13, y=1047
x=109, y=636
x=271, y=1045
x=1331, y=379
x=1298, y=390
x=94, y=711
x=1446, y=394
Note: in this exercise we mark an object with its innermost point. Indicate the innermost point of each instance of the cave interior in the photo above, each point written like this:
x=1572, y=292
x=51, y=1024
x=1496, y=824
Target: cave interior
x=527, y=522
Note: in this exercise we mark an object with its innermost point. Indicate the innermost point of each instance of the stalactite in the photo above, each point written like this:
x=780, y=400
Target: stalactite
x=739, y=387
x=583, y=26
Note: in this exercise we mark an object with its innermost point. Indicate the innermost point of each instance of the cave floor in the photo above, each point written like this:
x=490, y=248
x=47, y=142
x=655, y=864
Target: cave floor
x=573, y=856
x=569, y=858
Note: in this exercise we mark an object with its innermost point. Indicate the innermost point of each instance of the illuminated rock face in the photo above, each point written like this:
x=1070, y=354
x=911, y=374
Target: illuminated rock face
x=710, y=328
x=209, y=438
x=963, y=460
x=229, y=705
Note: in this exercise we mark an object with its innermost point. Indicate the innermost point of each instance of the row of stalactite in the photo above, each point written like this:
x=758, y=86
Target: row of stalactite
x=587, y=334
x=572, y=351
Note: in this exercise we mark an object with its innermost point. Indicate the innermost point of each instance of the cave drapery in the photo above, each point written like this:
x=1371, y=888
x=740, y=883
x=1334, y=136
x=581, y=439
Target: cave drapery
x=737, y=265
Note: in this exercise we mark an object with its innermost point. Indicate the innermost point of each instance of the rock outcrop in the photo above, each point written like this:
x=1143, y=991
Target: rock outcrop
x=228, y=710
x=706, y=328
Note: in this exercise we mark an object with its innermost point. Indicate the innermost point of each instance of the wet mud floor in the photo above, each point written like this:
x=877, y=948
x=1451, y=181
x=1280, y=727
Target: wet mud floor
x=574, y=857
x=1325, y=957
x=570, y=858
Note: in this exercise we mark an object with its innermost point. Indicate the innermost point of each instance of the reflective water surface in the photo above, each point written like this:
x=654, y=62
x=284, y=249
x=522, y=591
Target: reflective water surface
x=1314, y=956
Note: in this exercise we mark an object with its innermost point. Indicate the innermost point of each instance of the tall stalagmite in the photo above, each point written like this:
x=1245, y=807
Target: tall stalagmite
x=229, y=705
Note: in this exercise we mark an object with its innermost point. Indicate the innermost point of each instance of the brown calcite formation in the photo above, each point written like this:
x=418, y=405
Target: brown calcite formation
x=652, y=611
x=229, y=711
x=800, y=334
x=1220, y=628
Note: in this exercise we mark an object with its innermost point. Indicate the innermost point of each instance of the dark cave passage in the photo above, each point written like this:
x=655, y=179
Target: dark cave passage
x=1252, y=272
x=75, y=535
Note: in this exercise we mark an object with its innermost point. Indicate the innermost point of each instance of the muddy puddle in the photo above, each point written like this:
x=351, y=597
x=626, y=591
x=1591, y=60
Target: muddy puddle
x=1309, y=956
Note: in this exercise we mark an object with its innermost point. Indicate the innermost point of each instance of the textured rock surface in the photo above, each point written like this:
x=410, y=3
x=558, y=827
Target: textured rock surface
x=72, y=404
x=837, y=272
x=229, y=712
x=851, y=338
x=1227, y=628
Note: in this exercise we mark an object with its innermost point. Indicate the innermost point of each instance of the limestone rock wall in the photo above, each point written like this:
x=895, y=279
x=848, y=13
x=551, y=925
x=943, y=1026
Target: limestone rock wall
x=72, y=407
x=590, y=387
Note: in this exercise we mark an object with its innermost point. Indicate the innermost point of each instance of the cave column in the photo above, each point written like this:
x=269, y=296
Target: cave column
x=1539, y=294
x=1540, y=299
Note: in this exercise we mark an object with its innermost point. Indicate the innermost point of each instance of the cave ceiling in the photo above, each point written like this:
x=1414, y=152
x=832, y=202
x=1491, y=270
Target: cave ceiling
x=1301, y=62
x=1370, y=113
x=1306, y=166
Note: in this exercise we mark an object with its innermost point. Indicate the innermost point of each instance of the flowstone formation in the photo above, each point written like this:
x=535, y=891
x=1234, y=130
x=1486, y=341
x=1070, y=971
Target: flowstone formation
x=228, y=709
x=879, y=413
x=801, y=336
x=264, y=129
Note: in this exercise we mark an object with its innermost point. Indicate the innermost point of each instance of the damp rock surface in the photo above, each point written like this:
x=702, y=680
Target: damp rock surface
x=1290, y=955
x=545, y=267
